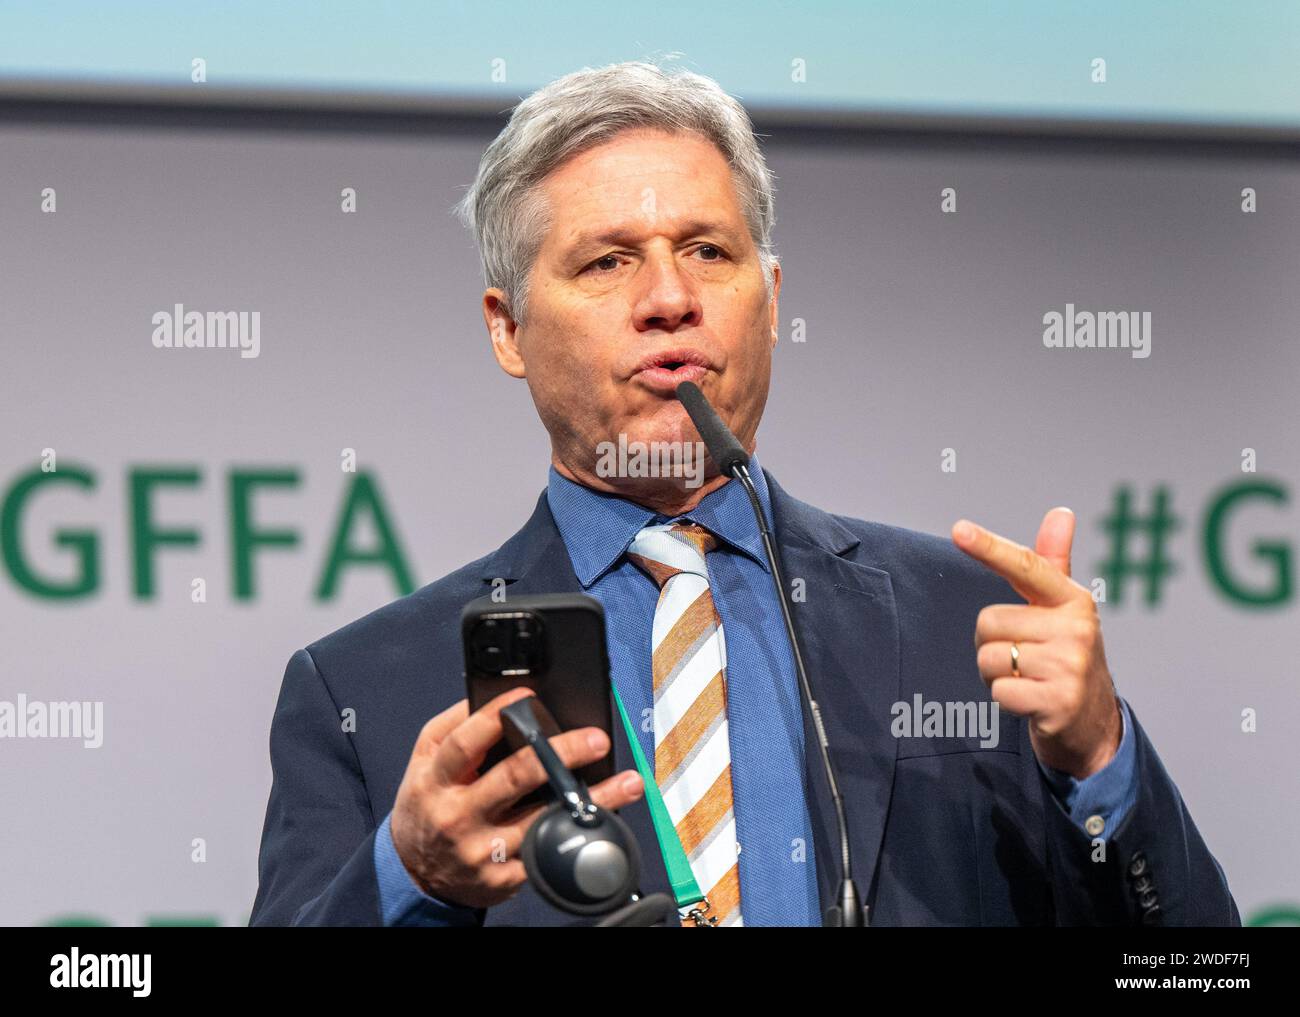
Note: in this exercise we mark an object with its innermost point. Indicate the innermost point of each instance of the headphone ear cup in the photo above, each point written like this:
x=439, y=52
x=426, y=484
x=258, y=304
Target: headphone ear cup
x=528, y=854
x=591, y=876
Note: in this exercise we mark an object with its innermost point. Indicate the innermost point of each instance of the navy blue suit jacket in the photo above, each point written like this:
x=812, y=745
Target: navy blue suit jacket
x=942, y=831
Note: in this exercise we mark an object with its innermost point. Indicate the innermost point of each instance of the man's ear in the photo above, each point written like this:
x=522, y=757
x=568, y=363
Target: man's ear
x=775, y=302
x=503, y=331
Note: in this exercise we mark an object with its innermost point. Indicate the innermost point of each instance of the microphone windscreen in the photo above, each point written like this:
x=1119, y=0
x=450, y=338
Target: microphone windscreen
x=726, y=450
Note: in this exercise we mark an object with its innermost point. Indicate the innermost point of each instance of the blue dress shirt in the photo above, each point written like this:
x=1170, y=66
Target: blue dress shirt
x=765, y=720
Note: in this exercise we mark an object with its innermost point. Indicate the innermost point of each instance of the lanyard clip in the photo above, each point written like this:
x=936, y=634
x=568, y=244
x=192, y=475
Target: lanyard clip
x=697, y=914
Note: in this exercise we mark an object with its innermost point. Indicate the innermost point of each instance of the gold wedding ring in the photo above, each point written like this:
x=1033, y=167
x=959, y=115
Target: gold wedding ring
x=1015, y=660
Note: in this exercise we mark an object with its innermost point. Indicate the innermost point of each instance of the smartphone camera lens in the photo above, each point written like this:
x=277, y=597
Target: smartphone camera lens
x=504, y=646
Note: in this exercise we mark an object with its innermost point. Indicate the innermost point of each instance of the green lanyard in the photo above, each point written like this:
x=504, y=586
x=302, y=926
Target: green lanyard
x=685, y=888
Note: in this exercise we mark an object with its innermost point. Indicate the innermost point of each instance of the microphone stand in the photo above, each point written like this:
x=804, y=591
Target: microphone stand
x=730, y=456
x=848, y=910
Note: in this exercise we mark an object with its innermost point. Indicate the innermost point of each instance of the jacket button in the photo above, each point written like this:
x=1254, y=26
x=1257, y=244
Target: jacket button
x=1148, y=900
x=1137, y=864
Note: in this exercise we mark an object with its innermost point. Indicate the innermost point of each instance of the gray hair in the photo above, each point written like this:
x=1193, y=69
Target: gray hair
x=507, y=210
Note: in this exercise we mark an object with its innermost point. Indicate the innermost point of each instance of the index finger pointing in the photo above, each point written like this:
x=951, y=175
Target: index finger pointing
x=1030, y=574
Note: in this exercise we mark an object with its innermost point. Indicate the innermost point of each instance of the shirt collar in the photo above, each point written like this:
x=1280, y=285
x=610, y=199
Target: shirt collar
x=597, y=527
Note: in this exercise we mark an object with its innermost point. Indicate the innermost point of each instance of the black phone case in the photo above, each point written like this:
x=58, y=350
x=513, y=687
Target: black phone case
x=572, y=681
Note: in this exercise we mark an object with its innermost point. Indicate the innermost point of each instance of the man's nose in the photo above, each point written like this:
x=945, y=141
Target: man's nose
x=666, y=298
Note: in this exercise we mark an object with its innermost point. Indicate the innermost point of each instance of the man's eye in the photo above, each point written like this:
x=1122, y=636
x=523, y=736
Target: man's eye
x=610, y=262
x=609, y=258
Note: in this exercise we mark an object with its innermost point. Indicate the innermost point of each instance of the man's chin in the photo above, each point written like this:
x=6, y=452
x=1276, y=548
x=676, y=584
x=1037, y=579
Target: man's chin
x=663, y=455
x=643, y=459
x=664, y=420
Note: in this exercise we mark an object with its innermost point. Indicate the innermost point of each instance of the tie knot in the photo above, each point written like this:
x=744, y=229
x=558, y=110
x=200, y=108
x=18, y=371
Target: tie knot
x=672, y=548
x=696, y=535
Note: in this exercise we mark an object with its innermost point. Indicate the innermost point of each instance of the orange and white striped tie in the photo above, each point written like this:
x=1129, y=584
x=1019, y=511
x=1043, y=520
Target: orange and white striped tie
x=692, y=755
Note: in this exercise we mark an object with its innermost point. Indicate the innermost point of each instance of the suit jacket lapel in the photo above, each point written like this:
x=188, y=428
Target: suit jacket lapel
x=847, y=625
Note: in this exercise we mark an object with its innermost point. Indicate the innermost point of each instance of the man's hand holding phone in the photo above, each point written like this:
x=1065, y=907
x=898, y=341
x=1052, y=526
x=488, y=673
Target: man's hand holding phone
x=459, y=833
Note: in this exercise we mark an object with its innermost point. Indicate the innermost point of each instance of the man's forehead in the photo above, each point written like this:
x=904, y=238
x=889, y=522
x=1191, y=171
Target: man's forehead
x=682, y=170
x=632, y=231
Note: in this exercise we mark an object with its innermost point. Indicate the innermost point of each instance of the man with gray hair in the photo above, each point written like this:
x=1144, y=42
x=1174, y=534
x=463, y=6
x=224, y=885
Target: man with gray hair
x=624, y=218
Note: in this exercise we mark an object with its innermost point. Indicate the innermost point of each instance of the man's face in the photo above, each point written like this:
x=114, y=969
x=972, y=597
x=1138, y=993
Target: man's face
x=648, y=258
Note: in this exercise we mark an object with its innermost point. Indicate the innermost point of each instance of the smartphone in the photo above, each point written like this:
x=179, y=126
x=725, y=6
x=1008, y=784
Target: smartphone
x=554, y=644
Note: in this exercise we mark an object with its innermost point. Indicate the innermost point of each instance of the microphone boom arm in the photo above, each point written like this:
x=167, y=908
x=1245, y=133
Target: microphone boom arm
x=731, y=458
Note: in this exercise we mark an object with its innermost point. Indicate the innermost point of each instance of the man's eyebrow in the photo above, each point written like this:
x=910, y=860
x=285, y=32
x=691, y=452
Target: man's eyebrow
x=623, y=236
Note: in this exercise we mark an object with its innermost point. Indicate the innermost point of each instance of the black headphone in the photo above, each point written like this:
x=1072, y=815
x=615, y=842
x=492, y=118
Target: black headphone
x=581, y=858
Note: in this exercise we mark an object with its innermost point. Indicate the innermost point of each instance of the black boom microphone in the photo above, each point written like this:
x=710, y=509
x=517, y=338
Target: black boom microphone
x=732, y=459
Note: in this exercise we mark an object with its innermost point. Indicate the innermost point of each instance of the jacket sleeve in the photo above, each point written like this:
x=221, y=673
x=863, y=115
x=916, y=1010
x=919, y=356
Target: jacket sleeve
x=1153, y=869
x=316, y=865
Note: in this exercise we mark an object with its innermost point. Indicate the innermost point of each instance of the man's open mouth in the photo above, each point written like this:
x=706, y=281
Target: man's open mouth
x=665, y=370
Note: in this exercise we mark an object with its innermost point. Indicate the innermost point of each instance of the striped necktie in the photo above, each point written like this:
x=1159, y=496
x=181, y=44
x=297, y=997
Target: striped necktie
x=692, y=756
